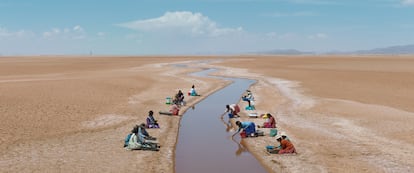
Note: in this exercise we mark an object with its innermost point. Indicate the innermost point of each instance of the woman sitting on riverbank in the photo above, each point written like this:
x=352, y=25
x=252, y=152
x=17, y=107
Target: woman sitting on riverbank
x=286, y=147
x=139, y=140
x=151, y=122
x=192, y=91
x=175, y=109
x=179, y=98
x=270, y=121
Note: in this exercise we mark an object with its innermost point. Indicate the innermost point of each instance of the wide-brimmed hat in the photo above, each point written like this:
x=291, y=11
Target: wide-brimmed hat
x=266, y=115
x=278, y=136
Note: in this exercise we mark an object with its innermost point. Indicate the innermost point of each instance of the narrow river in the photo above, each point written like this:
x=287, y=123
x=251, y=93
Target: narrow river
x=204, y=142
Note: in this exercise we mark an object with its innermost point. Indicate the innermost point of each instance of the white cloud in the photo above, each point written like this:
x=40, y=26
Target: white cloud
x=53, y=32
x=77, y=28
x=76, y=32
x=4, y=33
x=186, y=22
x=318, y=36
x=407, y=2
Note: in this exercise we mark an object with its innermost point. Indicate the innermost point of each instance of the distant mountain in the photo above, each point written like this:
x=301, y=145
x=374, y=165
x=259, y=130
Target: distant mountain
x=395, y=50
x=392, y=50
x=283, y=52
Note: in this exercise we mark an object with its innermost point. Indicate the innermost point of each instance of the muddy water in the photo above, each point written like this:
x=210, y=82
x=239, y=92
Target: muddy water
x=204, y=141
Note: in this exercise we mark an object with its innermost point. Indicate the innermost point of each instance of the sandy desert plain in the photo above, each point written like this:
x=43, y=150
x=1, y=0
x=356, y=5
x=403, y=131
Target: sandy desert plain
x=71, y=114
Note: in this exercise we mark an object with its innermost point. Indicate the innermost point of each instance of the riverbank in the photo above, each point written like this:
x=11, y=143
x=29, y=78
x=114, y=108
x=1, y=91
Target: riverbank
x=343, y=114
x=71, y=114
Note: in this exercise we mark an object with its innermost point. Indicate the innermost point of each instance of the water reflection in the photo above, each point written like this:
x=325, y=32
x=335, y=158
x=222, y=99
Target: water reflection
x=241, y=149
x=240, y=145
x=228, y=124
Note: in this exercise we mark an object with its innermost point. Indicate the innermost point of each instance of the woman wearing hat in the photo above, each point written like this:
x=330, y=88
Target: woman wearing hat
x=286, y=147
x=270, y=121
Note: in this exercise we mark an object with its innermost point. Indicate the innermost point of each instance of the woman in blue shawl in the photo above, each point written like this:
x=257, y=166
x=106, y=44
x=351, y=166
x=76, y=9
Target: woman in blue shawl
x=248, y=127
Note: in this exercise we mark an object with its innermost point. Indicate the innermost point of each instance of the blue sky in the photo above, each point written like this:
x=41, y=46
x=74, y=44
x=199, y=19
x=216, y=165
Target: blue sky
x=157, y=27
